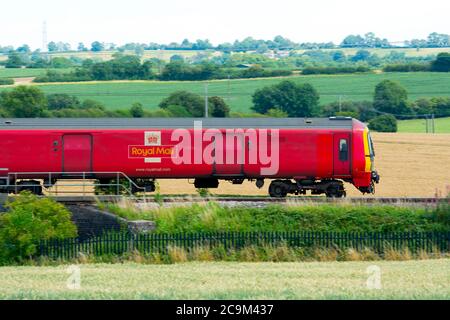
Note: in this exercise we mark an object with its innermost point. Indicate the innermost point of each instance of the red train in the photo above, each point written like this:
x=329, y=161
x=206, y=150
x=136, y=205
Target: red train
x=297, y=154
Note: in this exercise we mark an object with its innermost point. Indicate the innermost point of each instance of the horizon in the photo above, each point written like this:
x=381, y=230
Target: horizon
x=175, y=20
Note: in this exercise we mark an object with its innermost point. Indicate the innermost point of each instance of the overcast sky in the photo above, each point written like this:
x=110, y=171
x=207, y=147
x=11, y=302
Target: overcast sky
x=164, y=21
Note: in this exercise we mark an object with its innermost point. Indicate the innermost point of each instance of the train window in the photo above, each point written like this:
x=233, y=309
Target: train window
x=343, y=150
x=371, y=150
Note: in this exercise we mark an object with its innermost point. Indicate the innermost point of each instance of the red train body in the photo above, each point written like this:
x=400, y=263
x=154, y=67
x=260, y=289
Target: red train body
x=299, y=154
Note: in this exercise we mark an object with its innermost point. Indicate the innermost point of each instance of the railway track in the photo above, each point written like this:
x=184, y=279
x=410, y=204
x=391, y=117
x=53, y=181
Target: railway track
x=247, y=200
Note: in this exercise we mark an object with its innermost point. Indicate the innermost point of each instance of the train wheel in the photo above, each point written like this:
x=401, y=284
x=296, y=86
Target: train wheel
x=277, y=189
x=335, y=191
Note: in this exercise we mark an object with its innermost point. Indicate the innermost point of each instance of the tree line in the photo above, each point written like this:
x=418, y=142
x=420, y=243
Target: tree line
x=368, y=40
x=440, y=64
x=32, y=102
x=131, y=68
x=205, y=66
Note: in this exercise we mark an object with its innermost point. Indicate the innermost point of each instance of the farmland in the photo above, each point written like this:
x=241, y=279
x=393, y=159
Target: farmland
x=423, y=279
x=27, y=72
x=237, y=93
x=148, y=54
x=442, y=125
x=166, y=54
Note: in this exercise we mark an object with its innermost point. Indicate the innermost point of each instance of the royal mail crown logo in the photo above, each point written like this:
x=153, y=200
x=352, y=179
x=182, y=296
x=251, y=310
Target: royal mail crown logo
x=152, y=138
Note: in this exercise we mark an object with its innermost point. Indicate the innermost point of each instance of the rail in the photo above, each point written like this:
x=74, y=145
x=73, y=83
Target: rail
x=251, y=201
x=85, y=176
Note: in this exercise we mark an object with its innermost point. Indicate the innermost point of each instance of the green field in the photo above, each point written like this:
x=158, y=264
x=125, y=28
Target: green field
x=442, y=125
x=423, y=279
x=24, y=73
x=119, y=95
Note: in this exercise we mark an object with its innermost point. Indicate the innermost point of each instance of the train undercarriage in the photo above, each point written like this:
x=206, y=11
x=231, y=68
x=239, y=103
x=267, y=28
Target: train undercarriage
x=277, y=189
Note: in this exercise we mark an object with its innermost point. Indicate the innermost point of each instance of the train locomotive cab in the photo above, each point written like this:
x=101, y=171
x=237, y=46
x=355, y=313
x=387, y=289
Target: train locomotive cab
x=364, y=176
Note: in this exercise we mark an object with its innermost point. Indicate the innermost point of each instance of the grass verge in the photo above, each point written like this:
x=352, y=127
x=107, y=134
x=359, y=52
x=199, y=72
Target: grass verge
x=211, y=217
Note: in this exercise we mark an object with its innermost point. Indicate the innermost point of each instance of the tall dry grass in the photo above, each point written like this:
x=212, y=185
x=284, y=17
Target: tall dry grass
x=265, y=253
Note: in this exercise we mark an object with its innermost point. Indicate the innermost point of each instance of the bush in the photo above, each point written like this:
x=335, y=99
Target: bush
x=383, y=123
x=297, y=100
x=60, y=101
x=192, y=103
x=24, y=102
x=406, y=67
x=6, y=81
x=442, y=62
x=218, y=108
x=334, y=70
x=28, y=221
x=137, y=110
x=178, y=111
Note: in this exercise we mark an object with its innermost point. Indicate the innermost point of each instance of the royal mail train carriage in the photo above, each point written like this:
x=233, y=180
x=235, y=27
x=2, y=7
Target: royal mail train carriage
x=296, y=154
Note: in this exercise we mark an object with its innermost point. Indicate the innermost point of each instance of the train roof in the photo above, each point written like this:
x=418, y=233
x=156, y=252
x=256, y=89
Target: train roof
x=161, y=123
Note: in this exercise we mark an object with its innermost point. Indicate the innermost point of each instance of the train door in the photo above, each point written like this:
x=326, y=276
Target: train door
x=231, y=161
x=341, y=154
x=77, y=153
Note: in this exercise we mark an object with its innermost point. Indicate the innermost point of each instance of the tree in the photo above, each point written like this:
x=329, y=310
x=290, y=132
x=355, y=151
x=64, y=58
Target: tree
x=97, y=46
x=391, y=97
x=30, y=220
x=92, y=104
x=52, y=47
x=352, y=41
x=191, y=102
x=14, y=60
x=176, y=57
x=361, y=55
x=178, y=111
x=383, y=123
x=436, y=40
x=24, y=49
x=137, y=110
x=442, y=62
x=59, y=101
x=218, y=108
x=24, y=102
x=139, y=51
x=339, y=56
x=297, y=100
x=82, y=47
x=61, y=62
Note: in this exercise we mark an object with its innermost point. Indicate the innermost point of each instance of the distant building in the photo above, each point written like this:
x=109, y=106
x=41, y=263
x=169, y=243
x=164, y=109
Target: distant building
x=245, y=65
x=277, y=54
